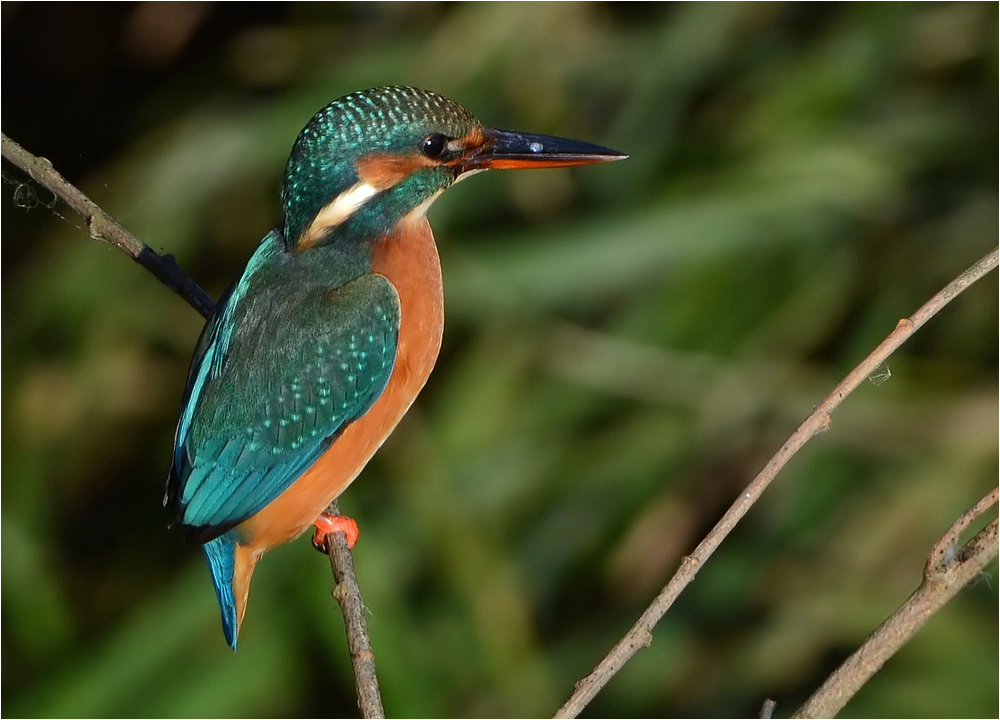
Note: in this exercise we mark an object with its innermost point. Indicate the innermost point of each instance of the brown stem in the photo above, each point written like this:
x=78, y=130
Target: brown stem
x=640, y=635
x=348, y=594
x=948, y=570
x=767, y=709
x=103, y=227
x=165, y=268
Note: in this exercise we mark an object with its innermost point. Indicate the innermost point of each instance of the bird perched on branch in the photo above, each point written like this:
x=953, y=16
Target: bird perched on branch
x=320, y=347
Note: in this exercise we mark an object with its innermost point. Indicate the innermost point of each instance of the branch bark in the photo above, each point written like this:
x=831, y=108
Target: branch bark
x=947, y=571
x=640, y=635
x=103, y=227
x=348, y=594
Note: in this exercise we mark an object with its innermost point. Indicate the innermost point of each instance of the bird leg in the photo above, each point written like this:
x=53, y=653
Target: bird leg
x=327, y=524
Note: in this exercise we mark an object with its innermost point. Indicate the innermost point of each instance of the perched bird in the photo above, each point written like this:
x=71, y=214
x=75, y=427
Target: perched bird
x=320, y=347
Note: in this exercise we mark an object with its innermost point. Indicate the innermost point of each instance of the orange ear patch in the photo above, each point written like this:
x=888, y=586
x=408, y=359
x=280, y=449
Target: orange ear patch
x=383, y=171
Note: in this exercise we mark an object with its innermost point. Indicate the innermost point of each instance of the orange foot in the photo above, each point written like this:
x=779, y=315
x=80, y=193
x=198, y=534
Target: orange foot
x=329, y=524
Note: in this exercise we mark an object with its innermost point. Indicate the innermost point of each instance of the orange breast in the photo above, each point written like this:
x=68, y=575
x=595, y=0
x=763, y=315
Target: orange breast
x=409, y=259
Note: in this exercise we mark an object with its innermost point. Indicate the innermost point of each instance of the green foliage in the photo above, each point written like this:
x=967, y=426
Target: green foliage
x=625, y=347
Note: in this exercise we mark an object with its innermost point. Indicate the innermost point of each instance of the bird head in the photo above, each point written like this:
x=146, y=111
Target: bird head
x=370, y=159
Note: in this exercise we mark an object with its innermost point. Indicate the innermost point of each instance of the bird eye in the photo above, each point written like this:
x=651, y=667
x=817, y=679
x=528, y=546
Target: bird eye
x=433, y=145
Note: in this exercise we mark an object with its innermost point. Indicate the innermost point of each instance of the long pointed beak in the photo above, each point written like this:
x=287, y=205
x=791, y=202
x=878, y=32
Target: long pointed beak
x=507, y=150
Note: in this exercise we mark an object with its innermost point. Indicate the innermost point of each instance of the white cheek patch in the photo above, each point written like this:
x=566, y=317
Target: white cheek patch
x=337, y=211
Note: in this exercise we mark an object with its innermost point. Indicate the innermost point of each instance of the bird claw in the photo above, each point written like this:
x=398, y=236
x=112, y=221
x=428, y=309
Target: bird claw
x=329, y=524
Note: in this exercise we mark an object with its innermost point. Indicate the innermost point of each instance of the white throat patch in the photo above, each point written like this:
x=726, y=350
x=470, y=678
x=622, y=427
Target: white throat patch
x=420, y=210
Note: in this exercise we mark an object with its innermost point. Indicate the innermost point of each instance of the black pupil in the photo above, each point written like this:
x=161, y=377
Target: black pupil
x=433, y=145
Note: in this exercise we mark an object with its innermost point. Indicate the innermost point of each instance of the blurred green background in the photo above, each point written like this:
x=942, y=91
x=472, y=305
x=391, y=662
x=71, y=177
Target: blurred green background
x=626, y=346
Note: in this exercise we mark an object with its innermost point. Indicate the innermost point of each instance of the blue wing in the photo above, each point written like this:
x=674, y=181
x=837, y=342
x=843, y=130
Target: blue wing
x=280, y=371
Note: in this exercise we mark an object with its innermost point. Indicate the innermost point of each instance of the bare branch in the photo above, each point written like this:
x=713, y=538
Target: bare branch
x=165, y=268
x=103, y=227
x=348, y=594
x=948, y=570
x=640, y=635
x=767, y=709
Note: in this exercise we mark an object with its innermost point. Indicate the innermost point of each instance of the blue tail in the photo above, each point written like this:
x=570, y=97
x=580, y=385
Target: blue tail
x=221, y=555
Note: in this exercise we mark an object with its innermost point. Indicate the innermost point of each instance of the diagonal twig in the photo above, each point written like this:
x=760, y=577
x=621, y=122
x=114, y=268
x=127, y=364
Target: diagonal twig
x=640, y=635
x=948, y=570
x=103, y=227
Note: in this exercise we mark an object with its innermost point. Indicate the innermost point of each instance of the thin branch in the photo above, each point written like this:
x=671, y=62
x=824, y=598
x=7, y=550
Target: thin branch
x=348, y=594
x=165, y=268
x=640, y=635
x=103, y=227
x=767, y=709
x=948, y=570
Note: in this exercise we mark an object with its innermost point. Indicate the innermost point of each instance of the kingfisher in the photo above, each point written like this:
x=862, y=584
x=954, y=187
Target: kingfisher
x=316, y=352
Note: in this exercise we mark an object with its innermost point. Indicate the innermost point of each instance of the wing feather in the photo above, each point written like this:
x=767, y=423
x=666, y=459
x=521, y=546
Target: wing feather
x=269, y=392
